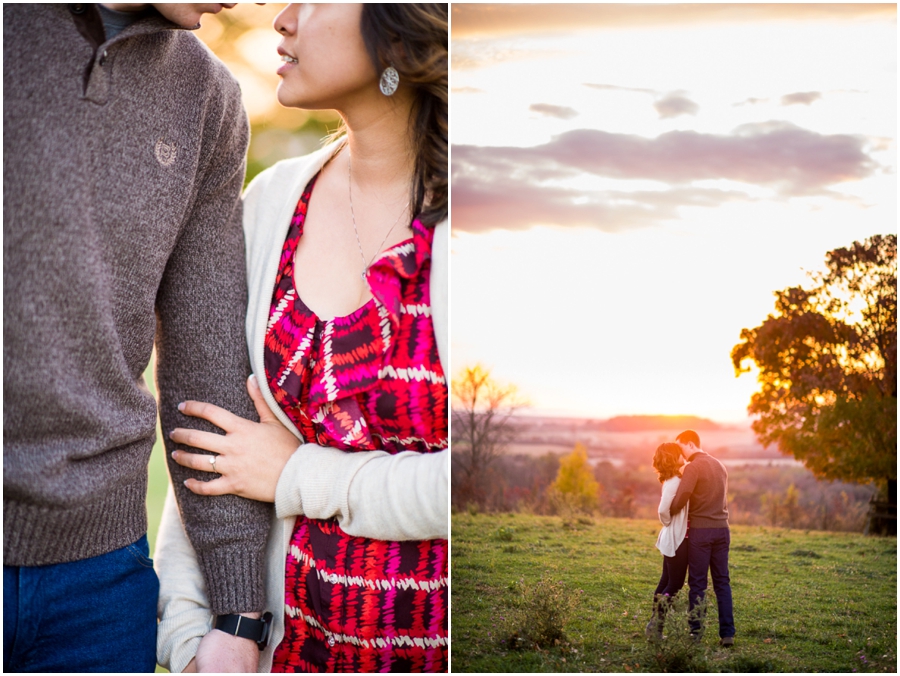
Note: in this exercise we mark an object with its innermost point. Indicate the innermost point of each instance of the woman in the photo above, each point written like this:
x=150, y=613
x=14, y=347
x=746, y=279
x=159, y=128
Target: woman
x=672, y=540
x=346, y=325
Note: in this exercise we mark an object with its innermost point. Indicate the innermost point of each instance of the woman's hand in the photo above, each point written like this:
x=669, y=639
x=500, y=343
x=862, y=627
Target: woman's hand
x=249, y=458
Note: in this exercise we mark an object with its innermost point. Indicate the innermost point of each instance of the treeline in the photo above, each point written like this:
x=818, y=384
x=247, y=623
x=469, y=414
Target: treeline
x=786, y=496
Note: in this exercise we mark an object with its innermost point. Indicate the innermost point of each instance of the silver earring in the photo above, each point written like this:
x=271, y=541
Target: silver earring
x=390, y=79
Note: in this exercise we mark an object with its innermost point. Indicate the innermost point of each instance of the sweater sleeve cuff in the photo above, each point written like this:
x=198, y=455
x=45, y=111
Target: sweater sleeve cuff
x=234, y=579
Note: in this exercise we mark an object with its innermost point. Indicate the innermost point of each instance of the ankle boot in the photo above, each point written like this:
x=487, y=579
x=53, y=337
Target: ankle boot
x=654, y=629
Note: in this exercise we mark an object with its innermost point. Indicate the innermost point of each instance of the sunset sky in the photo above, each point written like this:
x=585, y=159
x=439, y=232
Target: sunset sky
x=630, y=184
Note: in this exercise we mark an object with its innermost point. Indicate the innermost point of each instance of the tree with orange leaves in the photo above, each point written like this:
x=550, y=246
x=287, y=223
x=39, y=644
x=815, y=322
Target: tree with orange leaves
x=827, y=360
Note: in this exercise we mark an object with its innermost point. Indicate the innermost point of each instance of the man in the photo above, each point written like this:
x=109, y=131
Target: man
x=704, y=484
x=124, y=146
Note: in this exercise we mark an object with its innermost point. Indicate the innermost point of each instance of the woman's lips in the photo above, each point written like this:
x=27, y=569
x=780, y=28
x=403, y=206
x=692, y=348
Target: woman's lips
x=289, y=62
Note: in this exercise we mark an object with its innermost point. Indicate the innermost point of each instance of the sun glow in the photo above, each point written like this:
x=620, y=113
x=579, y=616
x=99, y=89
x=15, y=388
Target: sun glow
x=618, y=283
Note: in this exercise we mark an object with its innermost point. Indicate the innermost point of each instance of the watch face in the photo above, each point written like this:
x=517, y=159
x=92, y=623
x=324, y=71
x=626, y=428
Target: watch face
x=263, y=640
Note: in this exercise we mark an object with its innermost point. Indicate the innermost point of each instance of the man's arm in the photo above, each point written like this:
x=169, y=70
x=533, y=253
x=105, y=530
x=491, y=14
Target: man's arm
x=685, y=489
x=202, y=355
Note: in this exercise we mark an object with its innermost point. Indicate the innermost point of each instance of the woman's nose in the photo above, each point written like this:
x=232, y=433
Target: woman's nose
x=286, y=21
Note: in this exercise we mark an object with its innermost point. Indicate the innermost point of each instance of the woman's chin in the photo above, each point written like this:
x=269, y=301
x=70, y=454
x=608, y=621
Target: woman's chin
x=286, y=97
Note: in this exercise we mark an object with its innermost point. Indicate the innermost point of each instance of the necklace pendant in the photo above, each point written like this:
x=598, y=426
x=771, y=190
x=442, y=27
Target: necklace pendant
x=362, y=274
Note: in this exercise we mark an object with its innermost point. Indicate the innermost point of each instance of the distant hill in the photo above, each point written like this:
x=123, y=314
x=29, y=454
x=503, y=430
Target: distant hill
x=645, y=423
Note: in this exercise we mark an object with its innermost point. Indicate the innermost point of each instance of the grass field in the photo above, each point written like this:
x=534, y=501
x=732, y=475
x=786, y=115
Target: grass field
x=156, y=491
x=159, y=476
x=156, y=496
x=158, y=480
x=804, y=601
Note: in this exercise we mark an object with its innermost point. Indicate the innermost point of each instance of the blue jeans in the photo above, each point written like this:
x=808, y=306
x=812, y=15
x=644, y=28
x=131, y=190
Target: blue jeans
x=709, y=552
x=98, y=614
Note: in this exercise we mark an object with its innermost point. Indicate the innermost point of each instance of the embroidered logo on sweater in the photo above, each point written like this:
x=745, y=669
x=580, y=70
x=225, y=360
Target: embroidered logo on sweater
x=165, y=152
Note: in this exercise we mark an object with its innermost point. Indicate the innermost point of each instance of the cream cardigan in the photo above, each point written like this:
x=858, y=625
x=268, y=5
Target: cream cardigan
x=372, y=494
x=674, y=527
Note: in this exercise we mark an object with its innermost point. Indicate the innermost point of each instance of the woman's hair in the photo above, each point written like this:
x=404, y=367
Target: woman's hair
x=667, y=461
x=413, y=39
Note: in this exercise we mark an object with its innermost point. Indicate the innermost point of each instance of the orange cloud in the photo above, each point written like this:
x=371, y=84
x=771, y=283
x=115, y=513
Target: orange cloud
x=495, y=20
x=549, y=110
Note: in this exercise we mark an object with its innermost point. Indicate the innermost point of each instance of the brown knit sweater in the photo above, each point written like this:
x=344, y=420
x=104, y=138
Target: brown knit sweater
x=704, y=483
x=122, y=168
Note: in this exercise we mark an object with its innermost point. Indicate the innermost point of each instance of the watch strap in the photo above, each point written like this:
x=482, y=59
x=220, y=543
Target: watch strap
x=246, y=627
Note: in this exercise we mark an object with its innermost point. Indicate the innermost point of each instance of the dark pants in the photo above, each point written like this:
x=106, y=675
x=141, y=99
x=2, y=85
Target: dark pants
x=709, y=552
x=98, y=614
x=670, y=583
x=674, y=570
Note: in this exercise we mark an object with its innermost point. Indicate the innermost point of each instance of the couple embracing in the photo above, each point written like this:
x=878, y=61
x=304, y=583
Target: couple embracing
x=311, y=536
x=695, y=537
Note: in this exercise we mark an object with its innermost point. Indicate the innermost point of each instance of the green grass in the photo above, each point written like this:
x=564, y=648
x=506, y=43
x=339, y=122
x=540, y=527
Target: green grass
x=158, y=480
x=158, y=474
x=156, y=491
x=156, y=497
x=804, y=601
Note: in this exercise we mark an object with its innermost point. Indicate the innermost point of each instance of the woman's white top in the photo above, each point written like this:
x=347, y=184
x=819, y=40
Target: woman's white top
x=674, y=528
x=405, y=496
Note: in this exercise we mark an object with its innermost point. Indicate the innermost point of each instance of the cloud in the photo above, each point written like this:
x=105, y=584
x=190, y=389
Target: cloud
x=667, y=106
x=549, y=110
x=609, y=87
x=483, y=52
x=525, y=19
x=797, y=98
x=800, y=98
x=513, y=202
x=673, y=105
x=508, y=187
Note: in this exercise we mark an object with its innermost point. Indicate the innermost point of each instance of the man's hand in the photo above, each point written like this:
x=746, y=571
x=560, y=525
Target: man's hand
x=223, y=653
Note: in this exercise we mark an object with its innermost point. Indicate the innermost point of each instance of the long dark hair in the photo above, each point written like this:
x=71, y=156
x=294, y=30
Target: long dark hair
x=413, y=39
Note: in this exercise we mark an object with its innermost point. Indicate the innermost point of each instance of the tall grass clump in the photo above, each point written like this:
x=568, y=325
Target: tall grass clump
x=539, y=617
x=675, y=650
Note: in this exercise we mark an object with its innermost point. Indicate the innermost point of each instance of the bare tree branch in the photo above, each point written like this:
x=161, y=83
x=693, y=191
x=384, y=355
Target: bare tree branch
x=480, y=429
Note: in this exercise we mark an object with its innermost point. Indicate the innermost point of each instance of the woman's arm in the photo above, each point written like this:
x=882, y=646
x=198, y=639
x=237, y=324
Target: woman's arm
x=410, y=496
x=371, y=493
x=183, y=607
x=669, y=489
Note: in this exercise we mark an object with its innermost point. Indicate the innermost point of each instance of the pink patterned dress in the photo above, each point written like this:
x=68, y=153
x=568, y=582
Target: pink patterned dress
x=370, y=380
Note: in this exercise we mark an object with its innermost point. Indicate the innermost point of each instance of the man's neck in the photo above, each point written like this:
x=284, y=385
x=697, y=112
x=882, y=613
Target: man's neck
x=117, y=17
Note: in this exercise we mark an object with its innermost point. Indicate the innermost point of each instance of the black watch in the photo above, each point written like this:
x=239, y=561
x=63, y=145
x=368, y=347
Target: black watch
x=247, y=627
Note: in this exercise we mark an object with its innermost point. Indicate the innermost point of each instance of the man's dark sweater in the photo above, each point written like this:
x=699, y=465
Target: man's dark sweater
x=704, y=483
x=122, y=168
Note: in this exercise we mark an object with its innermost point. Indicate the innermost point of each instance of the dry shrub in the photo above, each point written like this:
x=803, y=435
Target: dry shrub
x=541, y=613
